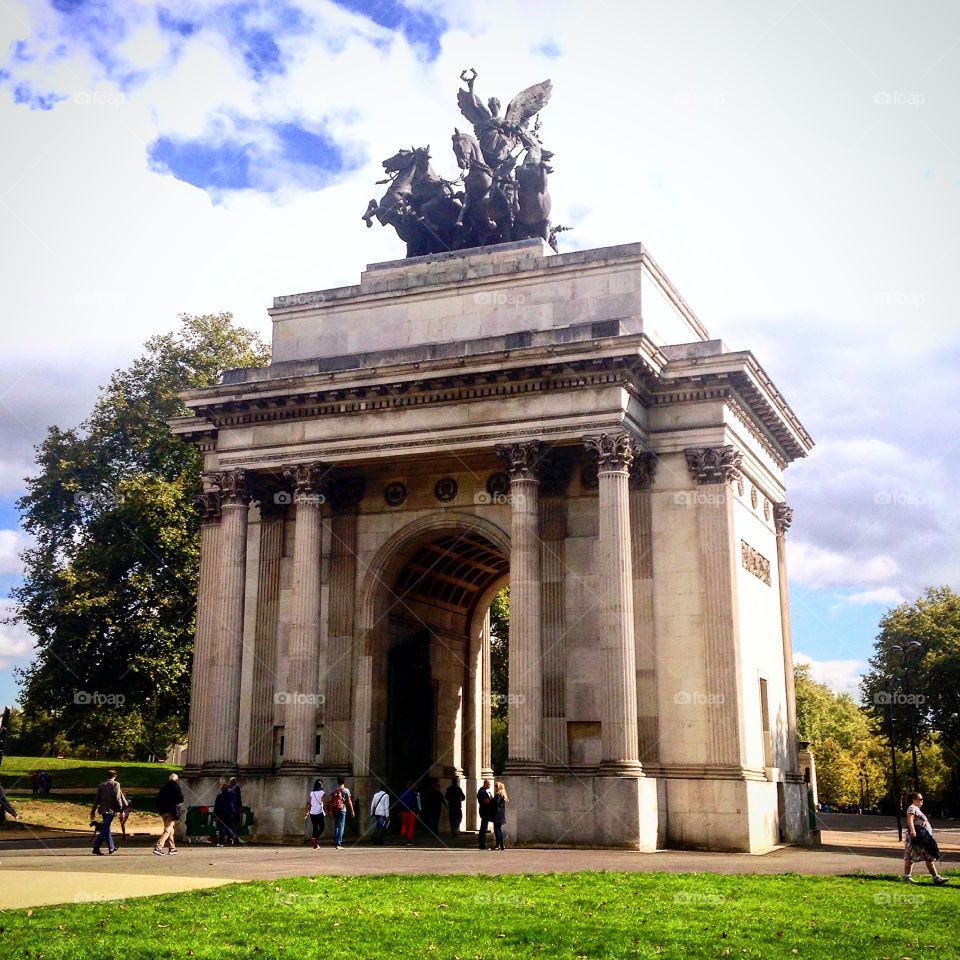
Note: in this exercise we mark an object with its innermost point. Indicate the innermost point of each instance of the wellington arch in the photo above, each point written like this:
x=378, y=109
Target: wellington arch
x=458, y=421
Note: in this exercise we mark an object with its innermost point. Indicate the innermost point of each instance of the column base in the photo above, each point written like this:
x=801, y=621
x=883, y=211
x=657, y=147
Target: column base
x=566, y=811
x=620, y=768
x=254, y=770
x=214, y=768
x=523, y=768
x=296, y=768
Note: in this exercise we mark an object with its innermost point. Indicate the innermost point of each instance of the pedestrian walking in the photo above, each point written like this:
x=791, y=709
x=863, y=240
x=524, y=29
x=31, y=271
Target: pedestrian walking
x=237, y=810
x=6, y=807
x=340, y=804
x=170, y=807
x=380, y=812
x=314, y=810
x=455, y=798
x=223, y=815
x=433, y=803
x=108, y=802
x=500, y=801
x=919, y=843
x=35, y=781
x=485, y=810
x=408, y=806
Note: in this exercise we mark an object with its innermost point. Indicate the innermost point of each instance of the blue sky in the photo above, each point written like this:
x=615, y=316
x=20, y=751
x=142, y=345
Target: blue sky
x=793, y=165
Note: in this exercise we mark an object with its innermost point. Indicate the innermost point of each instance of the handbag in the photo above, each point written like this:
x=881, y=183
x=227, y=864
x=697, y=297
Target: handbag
x=177, y=811
x=925, y=841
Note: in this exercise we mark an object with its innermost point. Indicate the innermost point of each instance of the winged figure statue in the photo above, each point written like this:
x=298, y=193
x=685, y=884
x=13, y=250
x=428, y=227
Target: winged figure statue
x=494, y=200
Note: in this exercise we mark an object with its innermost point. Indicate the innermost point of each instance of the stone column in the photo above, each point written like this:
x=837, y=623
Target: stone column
x=486, y=704
x=302, y=697
x=714, y=468
x=555, y=477
x=223, y=679
x=782, y=518
x=525, y=716
x=345, y=497
x=619, y=748
x=208, y=504
x=642, y=472
x=259, y=758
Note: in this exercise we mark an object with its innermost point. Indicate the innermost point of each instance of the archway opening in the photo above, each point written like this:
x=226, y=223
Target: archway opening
x=435, y=663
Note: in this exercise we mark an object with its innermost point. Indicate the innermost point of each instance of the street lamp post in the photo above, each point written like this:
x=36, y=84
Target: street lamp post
x=904, y=653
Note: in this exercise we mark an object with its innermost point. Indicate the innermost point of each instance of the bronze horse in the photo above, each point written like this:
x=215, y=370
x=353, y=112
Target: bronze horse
x=418, y=204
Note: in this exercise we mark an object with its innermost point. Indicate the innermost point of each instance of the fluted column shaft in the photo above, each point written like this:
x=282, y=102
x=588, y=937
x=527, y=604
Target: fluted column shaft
x=337, y=746
x=714, y=468
x=263, y=688
x=619, y=744
x=301, y=697
x=782, y=517
x=223, y=681
x=205, y=629
x=642, y=472
x=553, y=526
x=524, y=709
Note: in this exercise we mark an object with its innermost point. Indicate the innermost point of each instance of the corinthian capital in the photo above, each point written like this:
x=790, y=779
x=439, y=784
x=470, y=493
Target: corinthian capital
x=782, y=518
x=232, y=486
x=643, y=469
x=714, y=464
x=612, y=451
x=207, y=504
x=309, y=480
x=521, y=460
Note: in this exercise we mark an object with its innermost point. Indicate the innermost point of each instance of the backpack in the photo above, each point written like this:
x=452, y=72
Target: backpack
x=336, y=801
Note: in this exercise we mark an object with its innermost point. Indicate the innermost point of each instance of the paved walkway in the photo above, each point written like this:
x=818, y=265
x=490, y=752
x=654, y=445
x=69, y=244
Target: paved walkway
x=63, y=871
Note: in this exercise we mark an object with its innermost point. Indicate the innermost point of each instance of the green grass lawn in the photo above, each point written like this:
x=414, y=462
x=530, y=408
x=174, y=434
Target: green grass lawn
x=586, y=915
x=69, y=773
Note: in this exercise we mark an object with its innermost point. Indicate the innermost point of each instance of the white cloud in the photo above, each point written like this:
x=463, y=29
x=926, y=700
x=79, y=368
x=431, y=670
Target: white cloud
x=818, y=568
x=880, y=596
x=841, y=676
x=12, y=543
x=16, y=644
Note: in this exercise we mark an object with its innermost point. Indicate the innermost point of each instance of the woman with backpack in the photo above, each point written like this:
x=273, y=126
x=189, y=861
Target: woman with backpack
x=170, y=807
x=340, y=803
x=500, y=801
x=315, y=811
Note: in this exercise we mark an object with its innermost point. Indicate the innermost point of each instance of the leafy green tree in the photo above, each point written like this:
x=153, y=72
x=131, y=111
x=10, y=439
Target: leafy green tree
x=915, y=676
x=850, y=757
x=499, y=677
x=109, y=588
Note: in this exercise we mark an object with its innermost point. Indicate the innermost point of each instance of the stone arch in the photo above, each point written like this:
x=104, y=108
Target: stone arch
x=392, y=600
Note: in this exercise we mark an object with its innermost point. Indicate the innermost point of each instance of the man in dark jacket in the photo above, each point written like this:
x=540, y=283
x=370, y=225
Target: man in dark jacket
x=455, y=797
x=223, y=815
x=170, y=807
x=486, y=811
x=108, y=802
x=237, y=809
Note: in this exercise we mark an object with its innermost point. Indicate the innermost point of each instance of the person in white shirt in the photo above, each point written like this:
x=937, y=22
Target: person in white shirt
x=314, y=809
x=380, y=811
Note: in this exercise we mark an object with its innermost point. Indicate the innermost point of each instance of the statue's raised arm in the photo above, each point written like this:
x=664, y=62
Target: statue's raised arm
x=527, y=104
x=471, y=106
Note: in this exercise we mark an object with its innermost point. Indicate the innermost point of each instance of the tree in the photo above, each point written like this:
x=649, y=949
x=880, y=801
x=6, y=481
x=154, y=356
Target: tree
x=499, y=678
x=109, y=588
x=851, y=769
x=915, y=675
